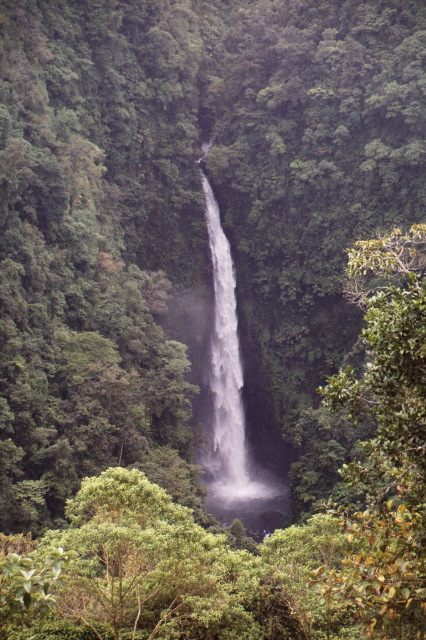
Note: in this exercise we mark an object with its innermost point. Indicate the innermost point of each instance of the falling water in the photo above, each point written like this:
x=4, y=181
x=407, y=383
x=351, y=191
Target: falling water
x=236, y=490
x=228, y=460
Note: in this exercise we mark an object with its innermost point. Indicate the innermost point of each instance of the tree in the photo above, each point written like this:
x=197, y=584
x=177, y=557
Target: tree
x=384, y=583
x=326, y=440
x=143, y=562
x=292, y=555
x=144, y=566
x=164, y=466
x=314, y=108
x=373, y=262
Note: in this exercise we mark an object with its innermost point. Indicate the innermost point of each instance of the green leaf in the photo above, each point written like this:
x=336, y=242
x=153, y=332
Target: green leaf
x=27, y=586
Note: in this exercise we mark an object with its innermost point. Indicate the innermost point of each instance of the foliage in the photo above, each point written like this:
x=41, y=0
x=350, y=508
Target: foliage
x=316, y=146
x=27, y=587
x=237, y=536
x=99, y=196
x=144, y=564
x=384, y=584
x=292, y=555
x=53, y=629
x=327, y=440
x=20, y=544
x=394, y=255
x=317, y=113
x=392, y=388
x=181, y=480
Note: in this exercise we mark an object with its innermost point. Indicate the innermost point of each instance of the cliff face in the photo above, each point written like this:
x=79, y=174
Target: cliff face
x=319, y=141
x=318, y=119
x=101, y=216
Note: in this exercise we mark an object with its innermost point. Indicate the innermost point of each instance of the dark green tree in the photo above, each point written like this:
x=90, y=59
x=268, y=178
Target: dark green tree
x=385, y=583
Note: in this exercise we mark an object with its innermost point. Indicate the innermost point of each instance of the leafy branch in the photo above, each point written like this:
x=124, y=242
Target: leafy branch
x=372, y=262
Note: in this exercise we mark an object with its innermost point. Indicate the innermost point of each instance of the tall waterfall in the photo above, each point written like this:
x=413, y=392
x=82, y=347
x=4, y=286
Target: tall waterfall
x=236, y=490
x=227, y=462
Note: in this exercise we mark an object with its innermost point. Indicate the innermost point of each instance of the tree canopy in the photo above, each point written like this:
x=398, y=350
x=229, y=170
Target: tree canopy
x=317, y=113
x=385, y=581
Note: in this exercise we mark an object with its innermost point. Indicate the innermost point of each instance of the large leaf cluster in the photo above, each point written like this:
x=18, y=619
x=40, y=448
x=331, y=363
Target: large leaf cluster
x=384, y=582
x=144, y=564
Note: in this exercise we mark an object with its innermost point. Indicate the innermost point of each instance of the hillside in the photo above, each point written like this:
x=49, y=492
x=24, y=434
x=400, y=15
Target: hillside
x=317, y=114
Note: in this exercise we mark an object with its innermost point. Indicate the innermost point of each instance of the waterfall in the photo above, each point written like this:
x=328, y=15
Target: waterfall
x=235, y=488
x=227, y=461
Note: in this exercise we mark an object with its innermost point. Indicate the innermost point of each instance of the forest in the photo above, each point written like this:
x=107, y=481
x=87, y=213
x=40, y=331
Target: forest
x=317, y=114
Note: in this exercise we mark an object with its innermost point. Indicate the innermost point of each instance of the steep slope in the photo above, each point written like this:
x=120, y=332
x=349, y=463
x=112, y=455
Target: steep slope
x=318, y=116
x=319, y=124
x=100, y=196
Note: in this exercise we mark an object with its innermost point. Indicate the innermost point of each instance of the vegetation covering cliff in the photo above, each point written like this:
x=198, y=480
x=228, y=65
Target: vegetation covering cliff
x=317, y=113
x=319, y=123
x=100, y=205
x=318, y=117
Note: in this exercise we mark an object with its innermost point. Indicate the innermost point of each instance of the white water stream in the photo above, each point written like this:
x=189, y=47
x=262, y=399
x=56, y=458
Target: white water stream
x=227, y=462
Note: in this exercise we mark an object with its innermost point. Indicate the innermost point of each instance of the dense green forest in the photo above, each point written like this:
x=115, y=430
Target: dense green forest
x=319, y=125
x=317, y=114
x=101, y=206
